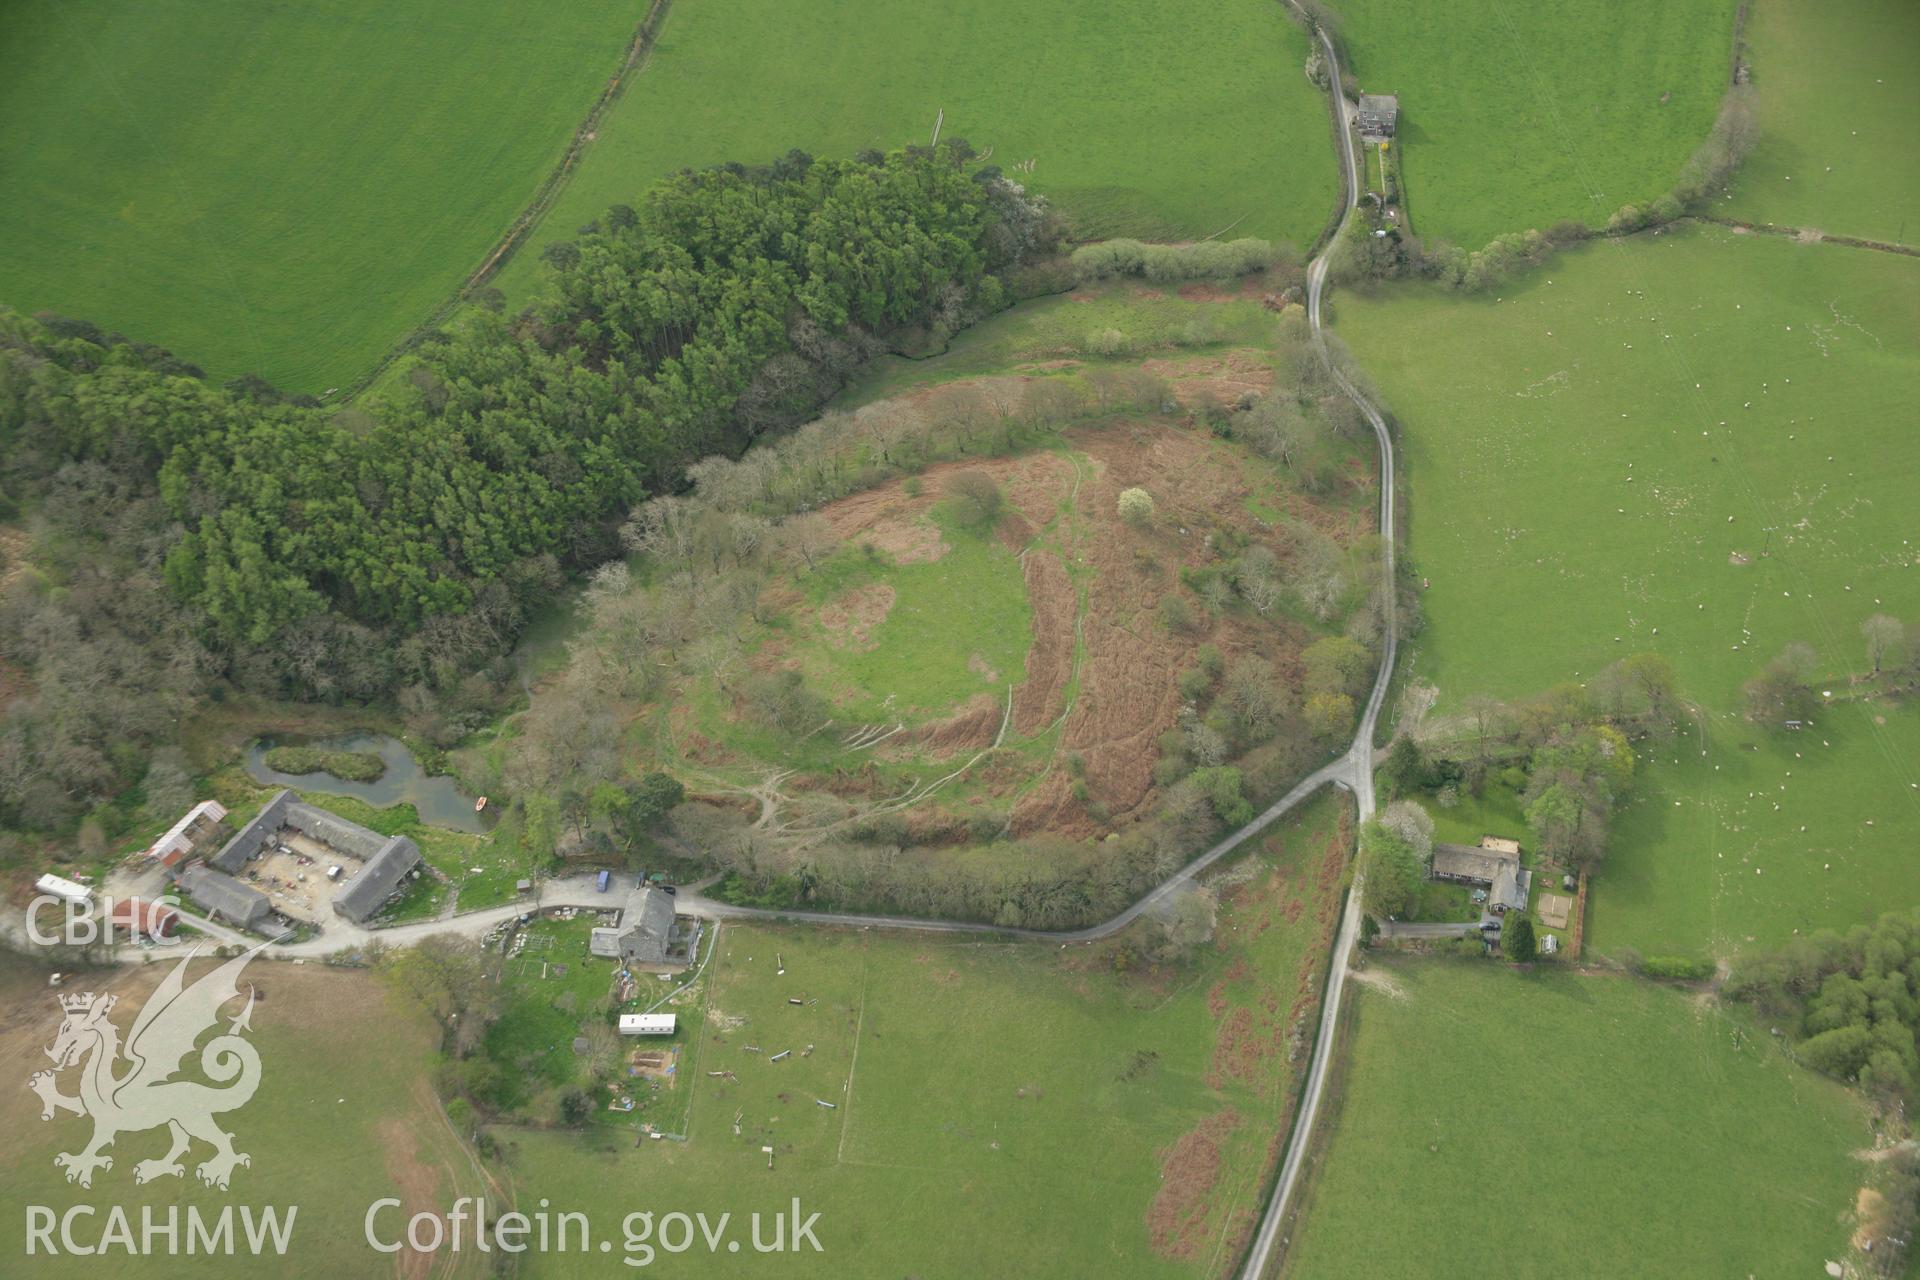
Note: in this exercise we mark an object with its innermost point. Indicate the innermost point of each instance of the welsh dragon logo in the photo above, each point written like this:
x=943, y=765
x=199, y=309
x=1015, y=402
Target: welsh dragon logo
x=126, y=1089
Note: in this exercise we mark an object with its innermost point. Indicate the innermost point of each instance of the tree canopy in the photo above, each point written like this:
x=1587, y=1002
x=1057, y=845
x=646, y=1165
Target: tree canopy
x=348, y=552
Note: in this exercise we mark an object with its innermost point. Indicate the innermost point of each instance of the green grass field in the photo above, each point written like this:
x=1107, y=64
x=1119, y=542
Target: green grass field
x=1064, y=326
x=344, y=1115
x=1553, y=1125
x=984, y=1093
x=272, y=189
x=1834, y=83
x=1592, y=457
x=1140, y=119
x=1518, y=115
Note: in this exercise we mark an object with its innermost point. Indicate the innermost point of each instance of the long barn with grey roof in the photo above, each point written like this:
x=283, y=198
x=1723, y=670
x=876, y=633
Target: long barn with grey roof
x=225, y=898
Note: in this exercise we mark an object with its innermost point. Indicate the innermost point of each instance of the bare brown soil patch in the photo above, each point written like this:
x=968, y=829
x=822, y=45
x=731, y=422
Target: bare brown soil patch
x=1240, y=1048
x=1176, y=1221
x=1380, y=981
x=1128, y=682
x=850, y=617
x=14, y=682
x=1201, y=291
x=1111, y=647
x=1869, y=1211
x=1127, y=695
x=1013, y=531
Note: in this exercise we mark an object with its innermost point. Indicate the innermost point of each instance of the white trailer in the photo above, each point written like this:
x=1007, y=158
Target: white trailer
x=646, y=1024
x=62, y=888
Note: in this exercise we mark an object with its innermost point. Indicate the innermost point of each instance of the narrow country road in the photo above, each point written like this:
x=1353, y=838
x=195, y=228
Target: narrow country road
x=1359, y=758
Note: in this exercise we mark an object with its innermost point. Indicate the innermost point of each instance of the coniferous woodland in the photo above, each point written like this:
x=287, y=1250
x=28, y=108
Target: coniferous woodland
x=194, y=538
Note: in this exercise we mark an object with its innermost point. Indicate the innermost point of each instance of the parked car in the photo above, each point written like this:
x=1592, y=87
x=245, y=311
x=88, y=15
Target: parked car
x=669, y=889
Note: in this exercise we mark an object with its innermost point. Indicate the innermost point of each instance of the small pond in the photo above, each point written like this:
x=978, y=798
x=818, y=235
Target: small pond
x=438, y=799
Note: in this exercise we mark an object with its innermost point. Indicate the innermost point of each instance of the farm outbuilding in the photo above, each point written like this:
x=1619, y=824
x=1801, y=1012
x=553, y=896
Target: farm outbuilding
x=224, y=897
x=1510, y=889
x=1493, y=865
x=145, y=919
x=1468, y=864
x=385, y=860
x=367, y=892
x=183, y=837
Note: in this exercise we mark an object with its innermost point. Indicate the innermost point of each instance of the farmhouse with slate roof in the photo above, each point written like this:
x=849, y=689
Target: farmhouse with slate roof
x=1377, y=114
x=649, y=935
x=1493, y=865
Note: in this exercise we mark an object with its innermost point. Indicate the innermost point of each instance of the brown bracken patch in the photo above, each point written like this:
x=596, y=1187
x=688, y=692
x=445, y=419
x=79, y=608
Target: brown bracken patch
x=1050, y=659
x=915, y=541
x=971, y=728
x=1227, y=377
x=1176, y=1221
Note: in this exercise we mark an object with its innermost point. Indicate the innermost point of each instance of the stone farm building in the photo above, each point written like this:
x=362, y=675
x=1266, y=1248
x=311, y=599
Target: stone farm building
x=1377, y=114
x=648, y=935
x=385, y=860
x=224, y=898
x=1493, y=865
